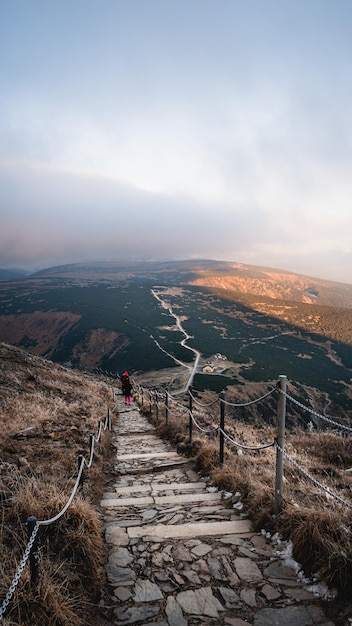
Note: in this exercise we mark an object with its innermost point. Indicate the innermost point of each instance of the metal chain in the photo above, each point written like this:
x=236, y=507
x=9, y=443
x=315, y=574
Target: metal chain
x=175, y=395
x=180, y=407
x=97, y=439
x=89, y=464
x=19, y=571
x=202, y=403
x=50, y=521
x=46, y=523
x=248, y=403
x=313, y=480
x=203, y=430
x=241, y=445
x=309, y=410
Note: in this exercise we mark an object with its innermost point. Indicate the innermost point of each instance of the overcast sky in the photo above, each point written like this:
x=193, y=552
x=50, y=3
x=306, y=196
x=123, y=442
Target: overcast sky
x=158, y=129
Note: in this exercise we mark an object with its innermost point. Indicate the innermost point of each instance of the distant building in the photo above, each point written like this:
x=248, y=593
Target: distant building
x=208, y=369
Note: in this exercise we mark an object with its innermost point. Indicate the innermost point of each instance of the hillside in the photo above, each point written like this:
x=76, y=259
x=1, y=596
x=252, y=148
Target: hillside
x=47, y=414
x=238, y=277
x=278, y=285
x=107, y=316
x=8, y=274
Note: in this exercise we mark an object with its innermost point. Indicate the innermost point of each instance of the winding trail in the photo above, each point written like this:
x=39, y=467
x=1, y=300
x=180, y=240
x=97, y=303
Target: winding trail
x=192, y=368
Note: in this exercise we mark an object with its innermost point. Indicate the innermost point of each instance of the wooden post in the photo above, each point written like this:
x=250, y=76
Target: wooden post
x=33, y=555
x=222, y=428
x=81, y=480
x=156, y=404
x=190, y=408
x=281, y=418
x=166, y=406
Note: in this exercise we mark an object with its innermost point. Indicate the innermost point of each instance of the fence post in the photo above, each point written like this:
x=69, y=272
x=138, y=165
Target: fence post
x=109, y=418
x=190, y=408
x=222, y=427
x=156, y=404
x=166, y=406
x=91, y=445
x=281, y=418
x=80, y=459
x=33, y=555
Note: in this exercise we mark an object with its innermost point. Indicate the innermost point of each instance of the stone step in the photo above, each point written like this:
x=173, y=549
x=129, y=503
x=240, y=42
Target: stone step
x=148, y=456
x=143, y=468
x=180, y=555
x=135, y=431
x=155, y=488
x=187, y=498
x=146, y=437
x=241, y=528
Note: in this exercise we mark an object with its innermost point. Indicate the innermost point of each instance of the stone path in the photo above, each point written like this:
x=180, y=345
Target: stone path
x=180, y=554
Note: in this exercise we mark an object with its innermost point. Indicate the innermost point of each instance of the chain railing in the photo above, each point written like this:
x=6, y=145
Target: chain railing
x=308, y=409
x=155, y=398
x=18, y=574
x=279, y=441
x=315, y=481
x=33, y=525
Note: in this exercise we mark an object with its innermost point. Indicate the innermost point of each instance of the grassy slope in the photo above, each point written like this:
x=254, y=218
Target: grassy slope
x=46, y=416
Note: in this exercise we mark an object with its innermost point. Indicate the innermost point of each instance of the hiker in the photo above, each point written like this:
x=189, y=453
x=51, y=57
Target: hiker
x=123, y=378
x=127, y=388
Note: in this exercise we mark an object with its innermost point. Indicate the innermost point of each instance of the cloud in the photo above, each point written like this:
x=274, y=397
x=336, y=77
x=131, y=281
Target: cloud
x=51, y=217
x=54, y=215
x=197, y=129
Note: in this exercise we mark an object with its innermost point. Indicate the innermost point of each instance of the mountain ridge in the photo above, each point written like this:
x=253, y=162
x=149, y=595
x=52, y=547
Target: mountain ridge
x=13, y=274
x=228, y=275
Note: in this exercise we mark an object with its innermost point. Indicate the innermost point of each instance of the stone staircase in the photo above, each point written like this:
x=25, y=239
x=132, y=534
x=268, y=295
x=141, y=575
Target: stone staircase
x=180, y=554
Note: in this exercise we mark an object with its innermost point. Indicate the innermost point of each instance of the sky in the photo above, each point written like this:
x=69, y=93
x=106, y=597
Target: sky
x=177, y=129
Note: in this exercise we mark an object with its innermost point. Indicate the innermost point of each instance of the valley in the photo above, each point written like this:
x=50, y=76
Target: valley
x=116, y=317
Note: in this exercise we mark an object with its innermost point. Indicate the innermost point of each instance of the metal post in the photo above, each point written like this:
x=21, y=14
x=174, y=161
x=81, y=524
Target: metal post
x=166, y=406
x=80, y=458
x=156, y=404
x=33, y=555
x=190, y=407
x=222, y=427
x=109, y=418
x=281, y=418
x=91, y=444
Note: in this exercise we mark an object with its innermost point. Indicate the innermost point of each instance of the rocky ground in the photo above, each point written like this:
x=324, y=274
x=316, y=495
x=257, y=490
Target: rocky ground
x=183, y=554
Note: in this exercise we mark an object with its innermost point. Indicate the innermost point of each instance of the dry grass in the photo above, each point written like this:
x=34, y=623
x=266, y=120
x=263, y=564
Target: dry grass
x=47, y=414
x=319, y=527
x=51, y=602
x=322, y=541
x=327, y=447
x=71, y=552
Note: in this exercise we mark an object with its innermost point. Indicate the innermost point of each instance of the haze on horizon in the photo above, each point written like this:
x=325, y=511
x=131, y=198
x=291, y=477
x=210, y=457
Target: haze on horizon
x=175, y=130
